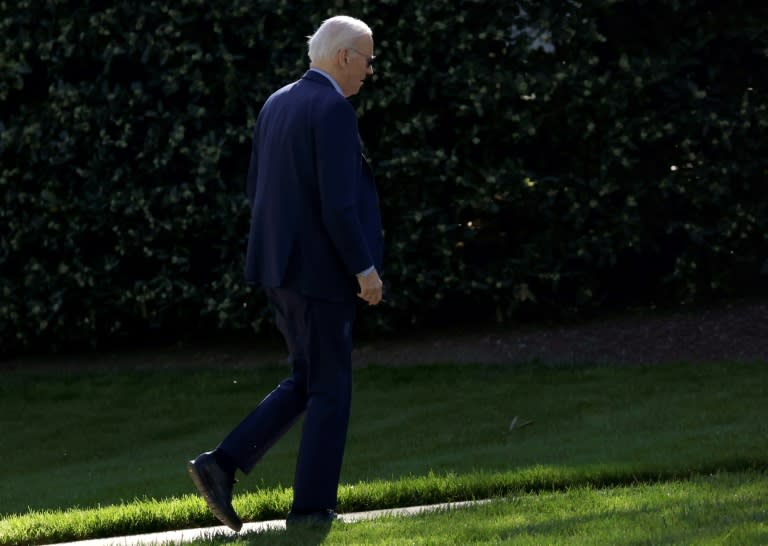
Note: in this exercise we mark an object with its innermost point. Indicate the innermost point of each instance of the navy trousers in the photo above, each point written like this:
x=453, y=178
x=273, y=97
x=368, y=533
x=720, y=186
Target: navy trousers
x=319, y=339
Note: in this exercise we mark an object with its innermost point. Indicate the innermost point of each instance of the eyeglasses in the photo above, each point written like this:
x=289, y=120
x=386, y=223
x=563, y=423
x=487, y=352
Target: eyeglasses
x=368, y=60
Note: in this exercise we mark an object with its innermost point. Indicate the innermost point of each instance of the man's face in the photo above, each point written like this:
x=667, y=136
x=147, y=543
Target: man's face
x=356, y=67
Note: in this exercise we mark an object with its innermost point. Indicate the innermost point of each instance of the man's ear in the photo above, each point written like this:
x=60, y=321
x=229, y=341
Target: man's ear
x=342, y=57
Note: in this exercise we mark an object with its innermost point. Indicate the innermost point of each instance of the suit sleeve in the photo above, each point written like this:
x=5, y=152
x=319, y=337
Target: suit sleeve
x=337, y=147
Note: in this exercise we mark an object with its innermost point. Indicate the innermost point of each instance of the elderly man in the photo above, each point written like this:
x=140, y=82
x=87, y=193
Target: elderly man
x=315, y=247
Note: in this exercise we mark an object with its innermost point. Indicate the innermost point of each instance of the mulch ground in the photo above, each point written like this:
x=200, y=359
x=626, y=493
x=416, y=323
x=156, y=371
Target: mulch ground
x=733, y=332
x=730, y=332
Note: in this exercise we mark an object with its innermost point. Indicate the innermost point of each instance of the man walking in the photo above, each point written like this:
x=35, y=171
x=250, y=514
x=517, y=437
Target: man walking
x=315, y=246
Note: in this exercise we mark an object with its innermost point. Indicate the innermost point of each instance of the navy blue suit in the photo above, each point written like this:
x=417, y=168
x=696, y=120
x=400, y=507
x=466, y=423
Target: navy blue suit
x=315, y=219
x=315, y=223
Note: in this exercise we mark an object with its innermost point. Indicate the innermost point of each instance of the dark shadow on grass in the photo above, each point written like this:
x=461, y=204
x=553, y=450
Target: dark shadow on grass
x=305, y=535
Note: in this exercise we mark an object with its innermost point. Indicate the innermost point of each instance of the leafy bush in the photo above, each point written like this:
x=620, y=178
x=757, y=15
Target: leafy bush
x=531, y=156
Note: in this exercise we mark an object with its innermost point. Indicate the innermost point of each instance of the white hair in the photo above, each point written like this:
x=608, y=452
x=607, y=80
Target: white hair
x=336, y=33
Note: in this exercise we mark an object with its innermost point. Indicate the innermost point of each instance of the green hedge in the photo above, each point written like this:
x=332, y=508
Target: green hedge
x=532, y=157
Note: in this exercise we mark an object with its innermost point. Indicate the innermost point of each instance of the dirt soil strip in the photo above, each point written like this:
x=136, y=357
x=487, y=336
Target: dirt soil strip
x=190, y=535
x=734, y=332
x=728, y=332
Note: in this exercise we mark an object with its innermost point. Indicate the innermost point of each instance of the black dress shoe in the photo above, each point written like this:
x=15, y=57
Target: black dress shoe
x=320, y=518
x=215, y=485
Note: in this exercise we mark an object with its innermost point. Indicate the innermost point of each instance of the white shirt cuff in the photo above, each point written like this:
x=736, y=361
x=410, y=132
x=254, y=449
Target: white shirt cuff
x=366, y=272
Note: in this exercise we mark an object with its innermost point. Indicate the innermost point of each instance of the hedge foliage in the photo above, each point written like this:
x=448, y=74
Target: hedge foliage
x=540, y=156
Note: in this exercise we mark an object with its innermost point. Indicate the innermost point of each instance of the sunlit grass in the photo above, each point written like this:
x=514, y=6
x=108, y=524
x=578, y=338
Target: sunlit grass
x=718, y=509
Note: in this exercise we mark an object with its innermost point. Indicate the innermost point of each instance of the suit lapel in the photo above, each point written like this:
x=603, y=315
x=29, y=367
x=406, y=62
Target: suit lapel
x=316, y=77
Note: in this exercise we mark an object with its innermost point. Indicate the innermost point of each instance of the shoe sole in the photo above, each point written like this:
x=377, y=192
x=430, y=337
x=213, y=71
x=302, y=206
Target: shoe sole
x=235, y=525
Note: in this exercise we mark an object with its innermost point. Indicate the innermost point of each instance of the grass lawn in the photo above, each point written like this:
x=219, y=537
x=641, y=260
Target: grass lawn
x=717, y=509
x=100, y=451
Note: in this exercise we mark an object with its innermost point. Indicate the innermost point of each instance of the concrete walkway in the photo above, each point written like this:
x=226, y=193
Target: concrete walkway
x=190, y=535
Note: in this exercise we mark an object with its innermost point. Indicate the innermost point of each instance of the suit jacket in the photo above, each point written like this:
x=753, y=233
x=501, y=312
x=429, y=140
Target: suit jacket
x=315, y=219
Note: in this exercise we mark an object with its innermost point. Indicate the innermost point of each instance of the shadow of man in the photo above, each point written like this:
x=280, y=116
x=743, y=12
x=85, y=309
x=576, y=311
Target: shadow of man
x=298, y=535
x=310, y=535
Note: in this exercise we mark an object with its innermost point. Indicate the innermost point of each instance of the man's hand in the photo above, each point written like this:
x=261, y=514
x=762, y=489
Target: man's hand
x=371, y=287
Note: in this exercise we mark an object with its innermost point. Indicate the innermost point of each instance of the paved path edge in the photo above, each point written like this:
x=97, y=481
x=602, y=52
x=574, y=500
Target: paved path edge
x=190, y=535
